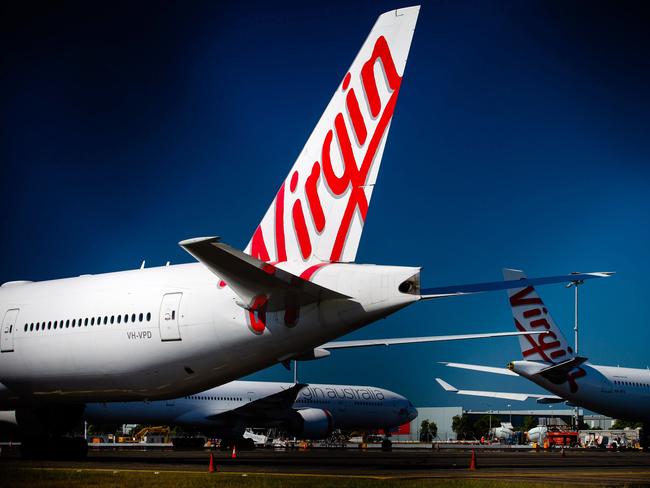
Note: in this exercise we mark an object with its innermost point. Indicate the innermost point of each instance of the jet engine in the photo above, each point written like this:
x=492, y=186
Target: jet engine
x=311, y=423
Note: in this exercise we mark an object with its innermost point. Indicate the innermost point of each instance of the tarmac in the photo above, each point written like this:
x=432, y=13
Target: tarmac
x=592, y=467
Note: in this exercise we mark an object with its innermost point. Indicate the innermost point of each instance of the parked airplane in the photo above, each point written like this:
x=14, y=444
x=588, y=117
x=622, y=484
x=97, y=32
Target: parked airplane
x=172, y=331
x=549, y=361
x=307, y=411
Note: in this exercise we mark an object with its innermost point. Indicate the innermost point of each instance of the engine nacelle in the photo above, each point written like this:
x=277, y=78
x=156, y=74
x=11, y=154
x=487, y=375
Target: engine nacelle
x=311, y=423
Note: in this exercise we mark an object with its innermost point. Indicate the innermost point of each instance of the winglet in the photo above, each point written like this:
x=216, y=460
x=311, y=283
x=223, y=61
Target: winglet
x=446, y=385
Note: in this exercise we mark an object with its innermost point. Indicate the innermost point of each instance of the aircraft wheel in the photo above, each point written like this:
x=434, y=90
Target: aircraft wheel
x=644, y=437
x=59, y=448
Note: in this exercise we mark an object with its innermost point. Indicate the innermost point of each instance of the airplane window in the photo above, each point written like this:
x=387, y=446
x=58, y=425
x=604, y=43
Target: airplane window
x=119, y=319
x=92, y=320
x=105, y=319
x=148, y=316
x=74, y=321
x=31, y=327
x=132, y=317
x=126, y=318
x=173, y=314
x=37, y=325
x=86, y=321
x=112, y=318
x=25, y=327
x=141, y=317
x=49, y=326
x=99, y=320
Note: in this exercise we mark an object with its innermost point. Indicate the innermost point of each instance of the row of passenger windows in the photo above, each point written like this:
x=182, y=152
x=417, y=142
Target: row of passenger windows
x=106, y=319
x=312, y=400
x=204, y=397
x=632, y=383
x=376, y=404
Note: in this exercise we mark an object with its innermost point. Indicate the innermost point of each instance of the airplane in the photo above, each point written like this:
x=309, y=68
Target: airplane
x=550, y=362
x=306, y=411
x=171, y=331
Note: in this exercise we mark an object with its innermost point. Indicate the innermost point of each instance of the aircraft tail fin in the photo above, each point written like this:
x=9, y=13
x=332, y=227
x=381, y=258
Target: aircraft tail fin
x=320, y=208
x=530, y=314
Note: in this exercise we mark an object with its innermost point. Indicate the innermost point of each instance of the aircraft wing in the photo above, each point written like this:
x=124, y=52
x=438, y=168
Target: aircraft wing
x=484, y=369
x=276, y=406
x=447, y=291
x=520, y=397
x=416, y=340
x=252, y=279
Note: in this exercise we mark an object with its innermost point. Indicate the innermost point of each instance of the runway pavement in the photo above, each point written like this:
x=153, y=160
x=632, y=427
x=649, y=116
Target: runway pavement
x=590, y=467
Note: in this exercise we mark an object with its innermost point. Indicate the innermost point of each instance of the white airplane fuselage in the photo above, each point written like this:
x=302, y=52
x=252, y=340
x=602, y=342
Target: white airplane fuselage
x=167, y=332
x=618, y=392
x=350, y=407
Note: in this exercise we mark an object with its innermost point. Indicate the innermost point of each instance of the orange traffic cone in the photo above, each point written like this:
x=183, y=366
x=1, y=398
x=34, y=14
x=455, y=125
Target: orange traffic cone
x=212, y=468
x=234, y=452
x=472, y=463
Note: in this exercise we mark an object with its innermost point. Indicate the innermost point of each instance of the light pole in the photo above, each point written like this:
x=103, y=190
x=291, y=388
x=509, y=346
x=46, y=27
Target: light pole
x=575, y=284
x=510, y=408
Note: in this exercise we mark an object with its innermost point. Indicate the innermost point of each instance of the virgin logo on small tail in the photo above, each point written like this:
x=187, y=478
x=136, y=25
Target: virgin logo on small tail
x=548, y=346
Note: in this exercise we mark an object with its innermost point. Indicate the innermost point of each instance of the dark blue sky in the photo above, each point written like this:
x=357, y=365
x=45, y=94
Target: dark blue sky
x=520, y=139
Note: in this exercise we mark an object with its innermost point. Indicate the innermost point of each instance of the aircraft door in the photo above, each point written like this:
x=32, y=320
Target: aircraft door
x=8, y=327
x=168, y=320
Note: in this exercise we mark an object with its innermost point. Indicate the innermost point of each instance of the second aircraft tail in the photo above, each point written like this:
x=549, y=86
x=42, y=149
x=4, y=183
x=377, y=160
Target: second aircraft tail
x=530, y=314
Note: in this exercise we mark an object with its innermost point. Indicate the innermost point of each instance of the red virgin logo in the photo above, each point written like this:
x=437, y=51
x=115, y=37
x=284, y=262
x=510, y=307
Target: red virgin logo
x=350, y=182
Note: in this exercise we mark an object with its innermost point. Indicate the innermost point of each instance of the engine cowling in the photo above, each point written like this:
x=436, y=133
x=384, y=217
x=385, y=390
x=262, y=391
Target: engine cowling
x=311, y=423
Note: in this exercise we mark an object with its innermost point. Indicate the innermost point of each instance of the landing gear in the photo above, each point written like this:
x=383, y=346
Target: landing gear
x=386, y=443
x=60, y=448
x=242, y=444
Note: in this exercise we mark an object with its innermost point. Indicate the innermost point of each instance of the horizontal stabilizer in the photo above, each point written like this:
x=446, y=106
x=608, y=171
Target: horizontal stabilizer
x=418, y=340
x=520, y=397
x=483, y=369
x=557, y=373
x=446, y=291
x=251, y=278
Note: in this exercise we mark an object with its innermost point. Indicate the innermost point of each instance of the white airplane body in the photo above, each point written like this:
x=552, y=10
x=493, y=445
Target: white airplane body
x=82, y=343
x=310, y=411
x=172, y=331
x=550, y=362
